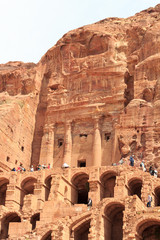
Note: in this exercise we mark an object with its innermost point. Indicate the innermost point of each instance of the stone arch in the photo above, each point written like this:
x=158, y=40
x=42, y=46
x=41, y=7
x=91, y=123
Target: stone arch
x=148, y=228
x=27, y=187
x=135, y=186
x=108, y=181
x=3, y=188
x=47, y=182
x=34, y=219
x=5, y=221
x=80, y=188
x=113, y=221
x=79, y=229
x=157, y=196
x=47, y=235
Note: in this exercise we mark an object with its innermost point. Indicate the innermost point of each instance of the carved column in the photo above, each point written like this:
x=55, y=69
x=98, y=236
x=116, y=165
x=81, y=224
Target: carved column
x=96, y=144
x=13, y=192
x=67, y=143
x=47, y=146
x=120, y=189
x=12, y=202
x=94, y=191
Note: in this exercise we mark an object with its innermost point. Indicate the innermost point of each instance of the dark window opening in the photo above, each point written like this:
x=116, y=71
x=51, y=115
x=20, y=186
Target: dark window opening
x=107, y=136
x=81, y=163
x=7, y=159
x=134, y=136
x=54, y=87
x=35, y=218
x=82, y=196
x=83, y=135
x=60, y=142
x=22, y=148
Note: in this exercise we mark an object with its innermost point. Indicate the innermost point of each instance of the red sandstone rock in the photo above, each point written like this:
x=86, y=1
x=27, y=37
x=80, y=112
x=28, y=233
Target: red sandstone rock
x=92, y=99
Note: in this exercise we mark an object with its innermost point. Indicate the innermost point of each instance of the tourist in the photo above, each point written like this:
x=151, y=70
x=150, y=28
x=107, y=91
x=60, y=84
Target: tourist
x=32, y=168
x=143, y=166
x=149, y=200
x=43, y=166
x=121, y=161
x=20, y=168
x=114, y=164
x=38, y=167
x=13, y=169
x=49, y=166
x=89, y=204
x=65, y=165
x=151, y=170
x=131, y=160
x=155, y=173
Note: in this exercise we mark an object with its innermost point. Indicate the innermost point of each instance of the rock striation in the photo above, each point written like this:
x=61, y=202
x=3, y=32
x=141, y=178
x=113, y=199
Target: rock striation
x=92, y=99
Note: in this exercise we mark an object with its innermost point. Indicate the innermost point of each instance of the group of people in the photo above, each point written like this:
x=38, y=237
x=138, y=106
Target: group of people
x=39, y=167
x=20, y=168
x=153, y=171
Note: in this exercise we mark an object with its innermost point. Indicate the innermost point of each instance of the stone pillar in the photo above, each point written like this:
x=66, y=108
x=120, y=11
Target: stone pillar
x=39, y=192
x=12, y=201
x=94, y=191
x=67, y=144
x=147, y=188
x=47, y=146
x=96, y=144
x=13, y=193
x=120, y=189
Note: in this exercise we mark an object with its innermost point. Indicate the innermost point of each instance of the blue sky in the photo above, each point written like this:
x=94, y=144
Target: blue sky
x=30, y=27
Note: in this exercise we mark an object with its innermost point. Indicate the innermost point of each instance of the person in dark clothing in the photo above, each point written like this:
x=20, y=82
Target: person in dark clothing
x=131, y=160
x=13, y=169
x=149, y=200
x=151, y=170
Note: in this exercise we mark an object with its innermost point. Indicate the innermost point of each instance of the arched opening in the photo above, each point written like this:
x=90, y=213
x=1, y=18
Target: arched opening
x=108, y=181
x=11, y=217
x=3, y=188
x=157, y=196
x=113, y=221
x=34, y=219
x=80, y=188
x=82, y=231
x=135, y=186
x=47, y=236
x=27, y=187
x=47, y=187
x=149, y=230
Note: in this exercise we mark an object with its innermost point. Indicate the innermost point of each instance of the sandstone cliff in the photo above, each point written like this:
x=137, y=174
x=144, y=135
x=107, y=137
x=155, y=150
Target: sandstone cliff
x=111, y=70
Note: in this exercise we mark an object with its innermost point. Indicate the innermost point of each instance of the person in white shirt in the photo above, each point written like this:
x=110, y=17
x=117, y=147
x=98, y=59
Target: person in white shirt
x=149, y=200
x=32, y=168
x=65, y=165
x=143, y=166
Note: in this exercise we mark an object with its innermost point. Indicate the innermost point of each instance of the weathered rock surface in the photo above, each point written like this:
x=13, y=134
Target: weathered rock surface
x=92, y=99
x=110, y=70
